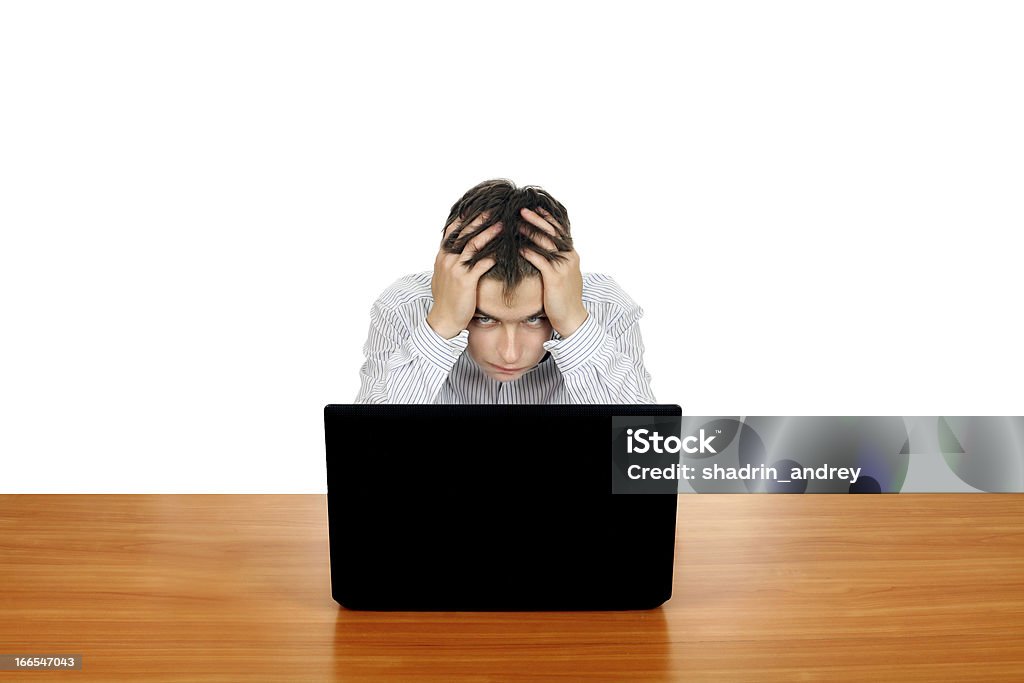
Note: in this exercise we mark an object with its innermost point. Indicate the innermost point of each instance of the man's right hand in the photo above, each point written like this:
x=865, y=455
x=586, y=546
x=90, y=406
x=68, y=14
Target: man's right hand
x=454, y=285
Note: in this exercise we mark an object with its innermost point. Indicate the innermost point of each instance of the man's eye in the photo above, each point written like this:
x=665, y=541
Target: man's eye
x=535, y=320
x=483, y=319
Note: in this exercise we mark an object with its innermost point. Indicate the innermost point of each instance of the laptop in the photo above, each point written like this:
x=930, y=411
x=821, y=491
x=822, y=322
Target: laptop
x=490, y=507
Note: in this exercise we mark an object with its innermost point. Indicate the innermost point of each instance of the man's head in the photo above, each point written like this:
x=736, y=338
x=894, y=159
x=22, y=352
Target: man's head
x=501, y=202
x=507, y=333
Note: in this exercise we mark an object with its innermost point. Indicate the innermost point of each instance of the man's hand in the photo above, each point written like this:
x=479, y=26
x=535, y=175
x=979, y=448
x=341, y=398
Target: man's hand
x=454, y=285
x=563, y=281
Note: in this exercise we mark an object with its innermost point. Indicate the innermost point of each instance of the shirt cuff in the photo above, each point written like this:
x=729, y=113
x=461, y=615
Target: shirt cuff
x=574, y=350
x=440, y=352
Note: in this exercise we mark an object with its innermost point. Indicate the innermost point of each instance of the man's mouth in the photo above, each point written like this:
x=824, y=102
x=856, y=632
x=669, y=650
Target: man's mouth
x=501, y=369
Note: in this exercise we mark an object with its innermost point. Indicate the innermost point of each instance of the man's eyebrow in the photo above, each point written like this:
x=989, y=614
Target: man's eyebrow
x=538, y=314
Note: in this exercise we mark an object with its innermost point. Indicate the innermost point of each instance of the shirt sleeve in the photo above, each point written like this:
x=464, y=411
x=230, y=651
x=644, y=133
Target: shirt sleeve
x=405, y=365
x=604, y=364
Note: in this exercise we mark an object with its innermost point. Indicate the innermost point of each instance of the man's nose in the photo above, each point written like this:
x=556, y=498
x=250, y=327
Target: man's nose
x=510, y=347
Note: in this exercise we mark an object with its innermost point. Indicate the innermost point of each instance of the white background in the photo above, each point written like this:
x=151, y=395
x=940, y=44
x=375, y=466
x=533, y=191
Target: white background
x=818, y=205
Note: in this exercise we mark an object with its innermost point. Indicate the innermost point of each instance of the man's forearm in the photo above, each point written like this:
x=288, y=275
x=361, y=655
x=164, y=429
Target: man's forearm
x=598, y=368
x=414, y=372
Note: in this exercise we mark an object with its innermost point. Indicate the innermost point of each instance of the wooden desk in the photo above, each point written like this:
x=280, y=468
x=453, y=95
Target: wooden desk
x=226, y=588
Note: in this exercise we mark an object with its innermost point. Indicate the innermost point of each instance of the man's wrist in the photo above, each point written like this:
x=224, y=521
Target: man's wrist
x=573, y=323
x=447, y=331
x=579, y=348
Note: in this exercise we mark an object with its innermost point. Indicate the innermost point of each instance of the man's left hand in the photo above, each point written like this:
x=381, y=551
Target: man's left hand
x=563, y=281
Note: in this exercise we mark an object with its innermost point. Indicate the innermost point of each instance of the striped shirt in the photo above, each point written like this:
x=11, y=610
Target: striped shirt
x=407, y=362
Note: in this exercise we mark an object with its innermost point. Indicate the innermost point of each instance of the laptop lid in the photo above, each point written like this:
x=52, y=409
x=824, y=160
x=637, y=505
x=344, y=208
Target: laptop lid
x=487, y=507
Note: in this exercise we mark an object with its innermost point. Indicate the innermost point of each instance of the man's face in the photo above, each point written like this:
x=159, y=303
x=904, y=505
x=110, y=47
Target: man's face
x=507, y=341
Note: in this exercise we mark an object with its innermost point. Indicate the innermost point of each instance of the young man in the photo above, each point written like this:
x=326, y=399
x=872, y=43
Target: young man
x=506, y=316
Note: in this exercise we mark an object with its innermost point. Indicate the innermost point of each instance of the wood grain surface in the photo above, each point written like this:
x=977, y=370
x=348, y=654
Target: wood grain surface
x=767, y=587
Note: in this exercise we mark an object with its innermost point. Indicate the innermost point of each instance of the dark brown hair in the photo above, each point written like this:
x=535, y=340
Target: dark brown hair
x=501, y=200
